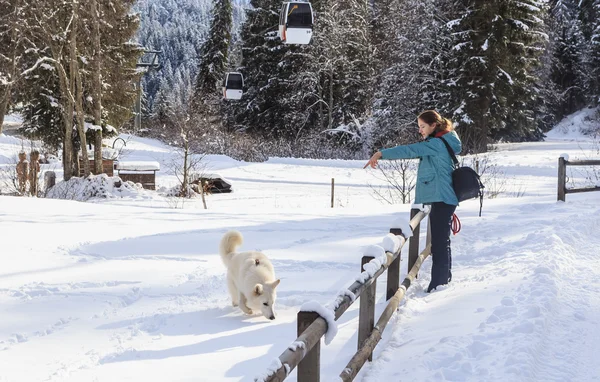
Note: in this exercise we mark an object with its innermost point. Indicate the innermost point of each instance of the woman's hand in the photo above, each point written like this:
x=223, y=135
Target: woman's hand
x=373, y=161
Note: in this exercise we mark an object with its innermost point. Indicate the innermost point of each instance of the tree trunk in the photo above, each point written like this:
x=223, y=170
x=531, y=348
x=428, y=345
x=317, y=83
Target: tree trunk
x=81, y=121
x=78, y=91
x=4, y=106
x=186, y=152
x=96, y=87
x=330, y=121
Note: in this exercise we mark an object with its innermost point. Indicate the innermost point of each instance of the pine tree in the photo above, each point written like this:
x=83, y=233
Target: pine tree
x=261, y=53
x=498, y=49
x=354, y=73
x=567, y=45
x=177, y=29
x=415, y=74
x=214, y=52
x=595, y=53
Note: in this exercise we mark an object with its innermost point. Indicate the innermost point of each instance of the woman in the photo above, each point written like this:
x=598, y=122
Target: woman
x=434, y=185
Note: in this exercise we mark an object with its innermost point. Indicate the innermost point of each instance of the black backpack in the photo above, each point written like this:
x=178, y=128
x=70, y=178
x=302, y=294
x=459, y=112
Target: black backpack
x=465, y=181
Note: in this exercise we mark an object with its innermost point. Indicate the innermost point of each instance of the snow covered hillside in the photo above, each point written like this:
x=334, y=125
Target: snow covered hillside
x=132, y=288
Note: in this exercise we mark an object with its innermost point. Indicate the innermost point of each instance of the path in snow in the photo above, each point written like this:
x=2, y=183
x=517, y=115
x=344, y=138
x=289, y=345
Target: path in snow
x=537, y=296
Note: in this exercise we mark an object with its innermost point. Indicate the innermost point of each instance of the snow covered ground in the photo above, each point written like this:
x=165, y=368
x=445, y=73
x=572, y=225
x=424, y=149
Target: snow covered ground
x=132, y=288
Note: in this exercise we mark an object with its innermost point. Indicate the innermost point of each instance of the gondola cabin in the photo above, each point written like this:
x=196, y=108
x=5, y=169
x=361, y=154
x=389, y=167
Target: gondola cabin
x=296, y=23
x=233, y=86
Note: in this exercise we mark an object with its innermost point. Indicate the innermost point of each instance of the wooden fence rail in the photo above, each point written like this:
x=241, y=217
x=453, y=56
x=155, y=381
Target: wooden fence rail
x=305, y=351
x=562, y=177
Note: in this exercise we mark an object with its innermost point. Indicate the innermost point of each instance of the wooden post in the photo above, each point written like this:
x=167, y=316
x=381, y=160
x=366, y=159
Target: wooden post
x=202, y=185
x=393, y=274
x=413, y=244
x=49, y=180
x=309, y=369
x=332, y=191
x=366, y=315
x=477, y=166
x=562, y=175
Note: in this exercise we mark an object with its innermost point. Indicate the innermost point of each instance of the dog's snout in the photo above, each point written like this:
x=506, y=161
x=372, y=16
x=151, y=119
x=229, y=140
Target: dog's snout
x=272, y=318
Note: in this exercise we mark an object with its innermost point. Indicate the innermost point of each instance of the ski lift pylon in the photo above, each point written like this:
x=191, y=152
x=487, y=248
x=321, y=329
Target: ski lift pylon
x=233, y=85
x=296, y=22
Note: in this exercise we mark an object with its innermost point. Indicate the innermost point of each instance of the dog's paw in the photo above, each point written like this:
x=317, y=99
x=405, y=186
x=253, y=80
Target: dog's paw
x=234, y=304
x=249, y=311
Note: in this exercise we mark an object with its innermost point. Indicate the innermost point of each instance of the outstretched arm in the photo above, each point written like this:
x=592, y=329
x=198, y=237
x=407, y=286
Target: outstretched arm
x=415, y=150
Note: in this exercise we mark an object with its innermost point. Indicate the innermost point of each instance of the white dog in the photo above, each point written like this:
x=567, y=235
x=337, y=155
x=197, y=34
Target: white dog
x=250, y=277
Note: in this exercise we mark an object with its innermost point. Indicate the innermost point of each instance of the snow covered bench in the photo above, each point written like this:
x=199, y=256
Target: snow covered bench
x=138, y=171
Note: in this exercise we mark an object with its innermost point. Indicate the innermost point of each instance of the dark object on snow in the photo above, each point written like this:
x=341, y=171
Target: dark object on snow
x=213, y=184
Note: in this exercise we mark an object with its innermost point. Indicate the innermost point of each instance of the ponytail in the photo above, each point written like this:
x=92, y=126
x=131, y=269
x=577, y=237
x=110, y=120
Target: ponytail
x=446, y=124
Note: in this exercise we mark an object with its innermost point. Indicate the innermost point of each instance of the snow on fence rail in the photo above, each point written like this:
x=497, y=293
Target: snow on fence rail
x=314, y=322
x=563, y=162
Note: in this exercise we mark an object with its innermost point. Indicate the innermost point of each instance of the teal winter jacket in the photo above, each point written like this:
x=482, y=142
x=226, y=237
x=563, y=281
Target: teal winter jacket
x=434, y=177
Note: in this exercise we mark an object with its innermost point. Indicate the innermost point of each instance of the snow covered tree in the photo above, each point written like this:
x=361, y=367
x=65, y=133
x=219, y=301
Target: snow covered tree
x=498, y=49
x=176, y=29
x=568, y=45
x=63, y=40
x=415, y=74
x=212, y=69
x=261, y=53
x=214, y=51
x=595, y=53
x=16, y=58
x=353, y=74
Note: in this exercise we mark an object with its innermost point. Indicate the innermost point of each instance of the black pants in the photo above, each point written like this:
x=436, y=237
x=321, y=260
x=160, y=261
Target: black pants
x=440, y=219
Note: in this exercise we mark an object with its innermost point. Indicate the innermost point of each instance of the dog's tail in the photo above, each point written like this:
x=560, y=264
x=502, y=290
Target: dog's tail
x=230, y=241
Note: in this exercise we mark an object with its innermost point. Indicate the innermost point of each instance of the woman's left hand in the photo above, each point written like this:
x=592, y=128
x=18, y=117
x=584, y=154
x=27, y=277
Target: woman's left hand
x=373, y=161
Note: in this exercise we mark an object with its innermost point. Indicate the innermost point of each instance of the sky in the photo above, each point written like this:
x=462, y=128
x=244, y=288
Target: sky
x=130, y=287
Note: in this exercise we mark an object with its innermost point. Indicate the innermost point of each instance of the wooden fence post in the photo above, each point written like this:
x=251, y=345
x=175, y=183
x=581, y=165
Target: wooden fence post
x=366, y=314
x=202, y=186
x=332, y=190
x=413, y=243
x=309, y=369
x=562, y=175
x=49, y=181
x=393, y=273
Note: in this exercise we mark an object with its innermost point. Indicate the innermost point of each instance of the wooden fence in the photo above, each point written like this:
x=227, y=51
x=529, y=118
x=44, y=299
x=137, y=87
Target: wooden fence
x=305, y=352
x=562, y=177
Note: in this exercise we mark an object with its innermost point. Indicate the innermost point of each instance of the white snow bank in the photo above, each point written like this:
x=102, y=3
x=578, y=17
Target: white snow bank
x=581, y=124
x=96, y=186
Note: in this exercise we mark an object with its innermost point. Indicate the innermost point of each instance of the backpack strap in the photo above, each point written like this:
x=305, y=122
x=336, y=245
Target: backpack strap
x=451, y=152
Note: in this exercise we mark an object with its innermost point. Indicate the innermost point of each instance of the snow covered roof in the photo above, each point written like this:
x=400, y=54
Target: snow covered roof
x=138, y=165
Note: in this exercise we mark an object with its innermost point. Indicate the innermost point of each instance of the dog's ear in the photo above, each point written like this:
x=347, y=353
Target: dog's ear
x=275, y=283
x=258, y=289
